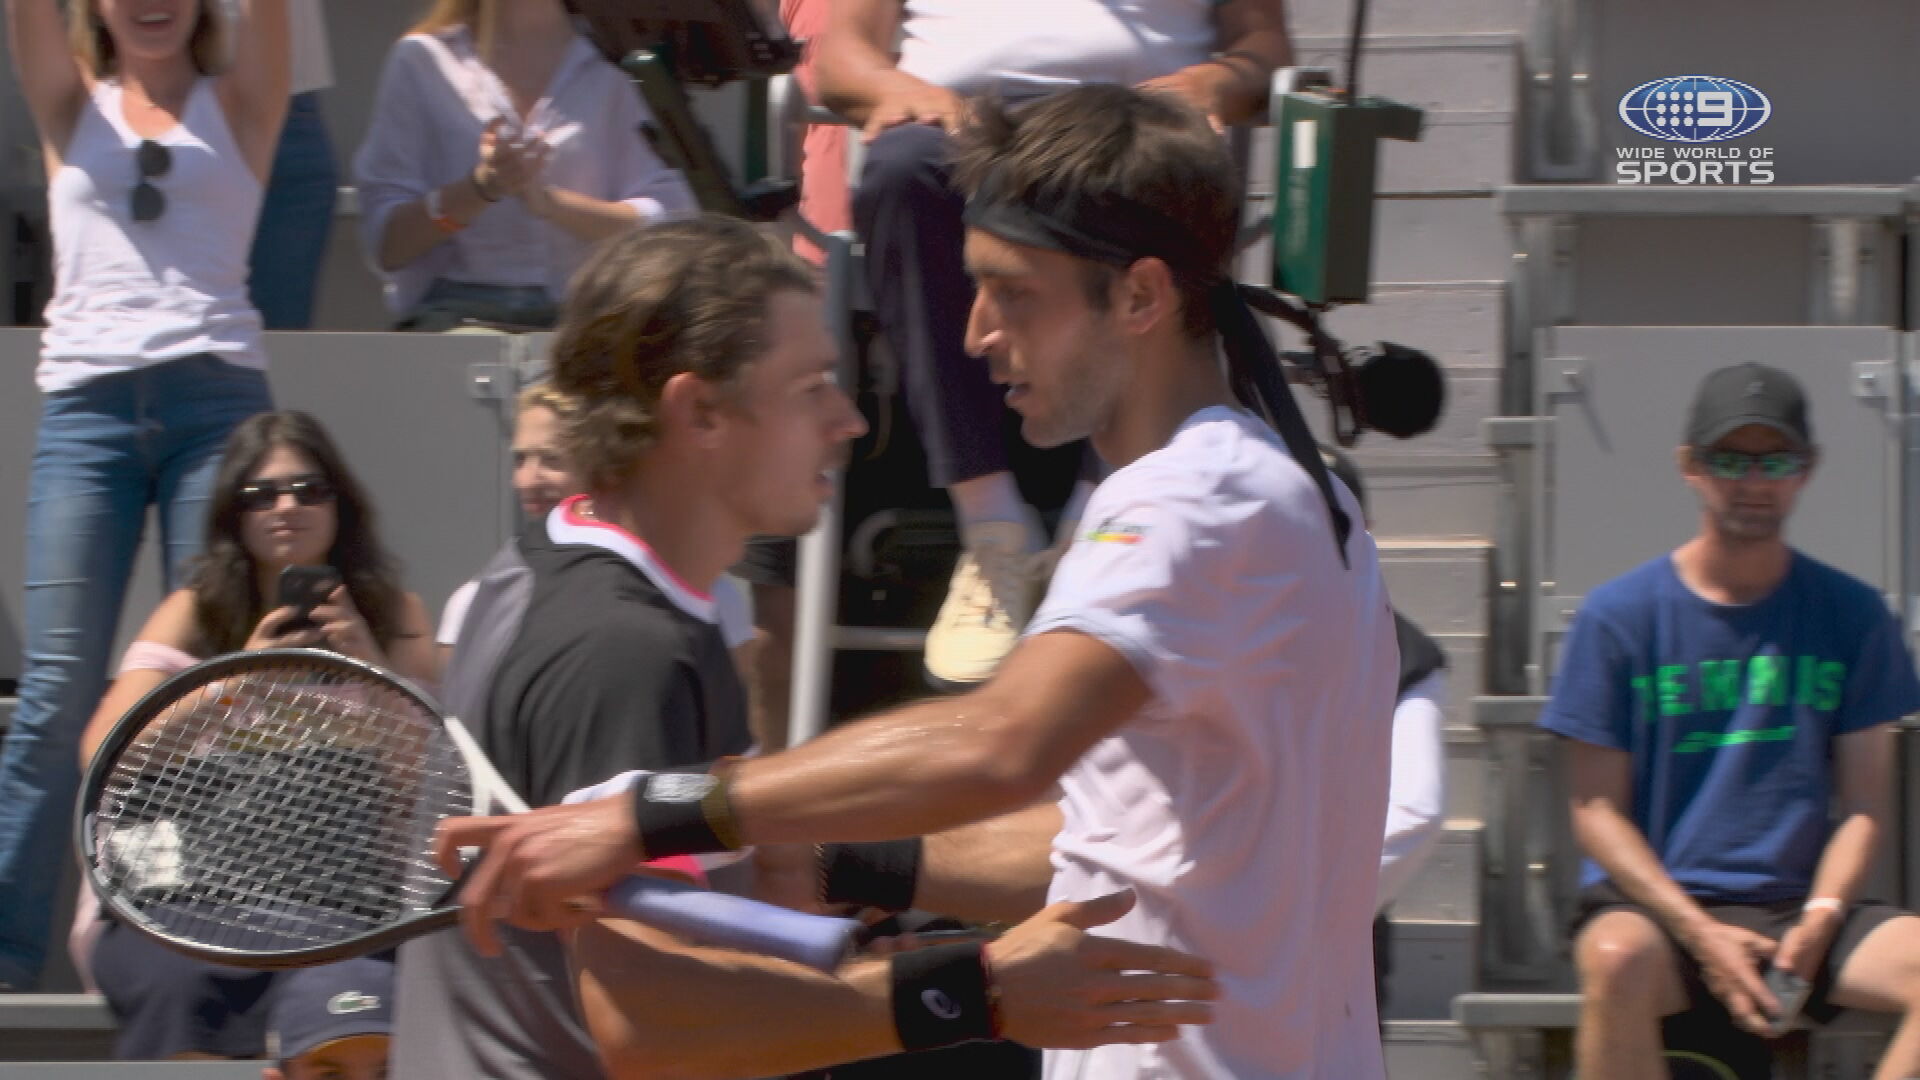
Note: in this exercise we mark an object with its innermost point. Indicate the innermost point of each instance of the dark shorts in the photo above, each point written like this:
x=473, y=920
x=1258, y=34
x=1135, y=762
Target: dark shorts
x=769, y=560
x=170, y=1004
x=1771, y=919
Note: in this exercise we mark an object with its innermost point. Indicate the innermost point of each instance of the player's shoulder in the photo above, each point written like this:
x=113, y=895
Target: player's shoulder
x=560, y=663
x=589, y=605
x=1224, y=478
x=1219, y=452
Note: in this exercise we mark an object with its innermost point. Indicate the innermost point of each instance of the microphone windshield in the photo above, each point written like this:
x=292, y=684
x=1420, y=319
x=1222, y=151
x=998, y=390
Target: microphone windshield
x=1402, y=391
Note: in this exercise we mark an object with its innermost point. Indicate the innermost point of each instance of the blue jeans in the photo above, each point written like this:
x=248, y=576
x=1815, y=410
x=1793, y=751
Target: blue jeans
x=107, y=449
x=295, y=219
x=450, y=305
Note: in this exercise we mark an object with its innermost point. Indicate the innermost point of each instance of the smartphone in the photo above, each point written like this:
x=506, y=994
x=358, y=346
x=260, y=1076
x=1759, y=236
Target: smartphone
x=305, y=588
x=1791, y=992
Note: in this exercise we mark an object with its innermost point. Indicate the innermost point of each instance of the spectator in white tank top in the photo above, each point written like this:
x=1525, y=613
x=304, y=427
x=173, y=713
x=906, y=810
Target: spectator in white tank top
x=284, y=498
x=1217, y=55
x=156, y=154
x=502, y=146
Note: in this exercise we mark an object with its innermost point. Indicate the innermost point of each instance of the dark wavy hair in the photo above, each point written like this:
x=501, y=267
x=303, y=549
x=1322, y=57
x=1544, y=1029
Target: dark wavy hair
x=227, y=600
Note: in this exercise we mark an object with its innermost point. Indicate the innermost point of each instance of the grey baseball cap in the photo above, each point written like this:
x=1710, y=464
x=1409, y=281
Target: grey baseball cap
x=1733, y=397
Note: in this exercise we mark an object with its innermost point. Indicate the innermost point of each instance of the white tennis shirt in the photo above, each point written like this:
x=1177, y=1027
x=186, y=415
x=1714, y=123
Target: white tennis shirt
x=1244, y=805
x=1019, y=48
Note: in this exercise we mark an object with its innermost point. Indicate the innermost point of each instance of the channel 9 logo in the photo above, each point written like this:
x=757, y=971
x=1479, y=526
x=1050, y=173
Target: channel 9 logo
x=1694, y=112
x=1695, y=109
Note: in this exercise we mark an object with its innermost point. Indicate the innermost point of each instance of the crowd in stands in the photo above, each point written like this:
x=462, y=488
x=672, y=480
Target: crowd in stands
x=190, y=186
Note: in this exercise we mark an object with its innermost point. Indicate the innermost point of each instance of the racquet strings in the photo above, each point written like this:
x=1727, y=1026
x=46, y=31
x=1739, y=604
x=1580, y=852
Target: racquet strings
x=279, y=808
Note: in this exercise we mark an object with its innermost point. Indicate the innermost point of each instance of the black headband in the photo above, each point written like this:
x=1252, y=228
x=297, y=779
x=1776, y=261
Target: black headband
x=1118, y=231
x=1109, y=229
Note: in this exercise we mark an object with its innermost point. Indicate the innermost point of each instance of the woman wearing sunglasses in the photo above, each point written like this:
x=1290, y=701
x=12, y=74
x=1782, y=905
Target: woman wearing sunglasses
x=156, y=154
x=283, y=498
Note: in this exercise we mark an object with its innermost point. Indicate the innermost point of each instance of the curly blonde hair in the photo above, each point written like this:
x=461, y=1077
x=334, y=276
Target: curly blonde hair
x=543, y=395
x=652, y=303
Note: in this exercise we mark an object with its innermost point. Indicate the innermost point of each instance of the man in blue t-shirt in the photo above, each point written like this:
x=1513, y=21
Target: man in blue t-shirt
x=1728, y=716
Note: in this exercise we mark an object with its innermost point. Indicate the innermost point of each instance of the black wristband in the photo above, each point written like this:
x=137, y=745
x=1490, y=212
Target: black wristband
x=880, y=875
x=940, y=996
x=684, y=812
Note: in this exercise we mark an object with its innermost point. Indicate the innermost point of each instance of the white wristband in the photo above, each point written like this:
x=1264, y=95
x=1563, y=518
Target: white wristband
x=1824, y=903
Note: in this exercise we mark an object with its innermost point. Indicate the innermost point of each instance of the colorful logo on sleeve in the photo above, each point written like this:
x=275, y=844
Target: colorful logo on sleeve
x=1722, y=686
x=1127, y=527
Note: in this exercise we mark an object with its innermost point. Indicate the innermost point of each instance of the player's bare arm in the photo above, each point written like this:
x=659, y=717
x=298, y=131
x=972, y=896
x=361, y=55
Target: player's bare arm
x=658, y=1007
x=993, y=871
x=918, y=770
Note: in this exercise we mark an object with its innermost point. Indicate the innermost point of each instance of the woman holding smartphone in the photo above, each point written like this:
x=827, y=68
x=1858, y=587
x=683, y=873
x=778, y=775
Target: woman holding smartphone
x=283, y=499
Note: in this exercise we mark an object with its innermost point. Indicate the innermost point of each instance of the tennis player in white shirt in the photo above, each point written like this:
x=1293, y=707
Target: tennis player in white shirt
x=1210, y=681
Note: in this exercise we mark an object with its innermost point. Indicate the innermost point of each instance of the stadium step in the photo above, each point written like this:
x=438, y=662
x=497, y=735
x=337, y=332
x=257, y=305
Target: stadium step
x=1517, y=1036
x=1478, y=72
x=1459, y=322
x=1460, y=150
x=1312, y=19
x=1429, y=1050
x=1466, y=774
x=1441, y=585
x=1436, y=929
x=1418, y=239
x=54, y=1027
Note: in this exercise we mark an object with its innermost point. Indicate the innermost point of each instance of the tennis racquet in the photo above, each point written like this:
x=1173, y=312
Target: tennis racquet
x=276, y=809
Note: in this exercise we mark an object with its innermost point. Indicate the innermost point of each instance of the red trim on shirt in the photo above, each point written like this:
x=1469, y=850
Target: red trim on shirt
x=569, y=508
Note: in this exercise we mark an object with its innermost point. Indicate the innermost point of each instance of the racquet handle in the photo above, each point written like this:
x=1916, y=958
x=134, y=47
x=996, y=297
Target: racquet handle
x=734, y=922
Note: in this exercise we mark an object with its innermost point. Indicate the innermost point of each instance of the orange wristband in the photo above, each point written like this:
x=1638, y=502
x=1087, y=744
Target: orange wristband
x=439, y=217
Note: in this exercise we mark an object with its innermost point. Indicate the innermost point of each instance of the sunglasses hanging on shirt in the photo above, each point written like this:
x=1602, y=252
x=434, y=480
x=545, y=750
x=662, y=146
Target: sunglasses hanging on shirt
x=155, y=160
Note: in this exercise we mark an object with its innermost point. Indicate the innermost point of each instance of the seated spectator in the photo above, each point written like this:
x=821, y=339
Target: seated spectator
x=1416, y=792
x=1217, y=55
x=157, y=148
x=332, y=1022
x=1728, y=718
x=284, y=498
x=501, y=147
x=542, y=477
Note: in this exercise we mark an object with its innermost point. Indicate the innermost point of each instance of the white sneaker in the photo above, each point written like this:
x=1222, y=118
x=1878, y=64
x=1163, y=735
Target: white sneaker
x=994, y=589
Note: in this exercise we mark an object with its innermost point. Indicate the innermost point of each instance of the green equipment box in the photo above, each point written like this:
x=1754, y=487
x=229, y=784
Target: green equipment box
x=1323, y=191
